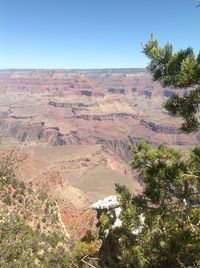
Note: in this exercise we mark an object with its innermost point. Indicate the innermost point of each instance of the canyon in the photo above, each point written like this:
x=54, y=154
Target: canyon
x=75, y=127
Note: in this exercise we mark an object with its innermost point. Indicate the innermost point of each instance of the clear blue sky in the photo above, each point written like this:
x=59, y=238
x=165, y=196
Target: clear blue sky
x=91, y=33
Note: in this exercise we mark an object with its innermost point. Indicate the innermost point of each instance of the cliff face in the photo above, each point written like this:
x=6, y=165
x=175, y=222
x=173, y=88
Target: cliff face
x=39, y=133
x=160, y=128
x=28, y=132
x=67, y=104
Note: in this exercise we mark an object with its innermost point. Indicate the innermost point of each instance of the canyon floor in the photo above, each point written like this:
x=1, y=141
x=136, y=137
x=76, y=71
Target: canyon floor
x=75, y=127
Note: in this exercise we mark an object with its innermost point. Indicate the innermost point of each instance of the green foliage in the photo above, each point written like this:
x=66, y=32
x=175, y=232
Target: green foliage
x=104, y=221
x=179, y=70
x=53, y=239
x=31, y=232
x=43, y=196
x=58, y=258
x=21, y=246
x=90, y=236
x=84, y=251
x=7, y=199
x=14, y=183
x=171, y=199
x=169, y=234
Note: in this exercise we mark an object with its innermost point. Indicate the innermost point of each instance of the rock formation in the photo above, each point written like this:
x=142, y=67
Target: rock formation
x=81, y=122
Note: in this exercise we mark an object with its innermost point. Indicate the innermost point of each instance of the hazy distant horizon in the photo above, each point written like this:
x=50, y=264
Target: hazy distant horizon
x=69, y=69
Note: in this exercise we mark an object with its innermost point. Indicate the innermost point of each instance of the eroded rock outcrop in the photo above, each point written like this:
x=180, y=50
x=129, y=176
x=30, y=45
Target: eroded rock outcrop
x=160, y=128
x=27, y=132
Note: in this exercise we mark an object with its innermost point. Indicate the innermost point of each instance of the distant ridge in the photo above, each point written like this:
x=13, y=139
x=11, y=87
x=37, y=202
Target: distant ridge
x=104, y=70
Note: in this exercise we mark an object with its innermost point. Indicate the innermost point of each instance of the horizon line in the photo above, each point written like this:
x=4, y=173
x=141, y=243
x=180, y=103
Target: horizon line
x=69, y=69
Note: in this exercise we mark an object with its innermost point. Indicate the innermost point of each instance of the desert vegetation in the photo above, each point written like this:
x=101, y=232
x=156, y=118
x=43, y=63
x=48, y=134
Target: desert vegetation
x=32, y=233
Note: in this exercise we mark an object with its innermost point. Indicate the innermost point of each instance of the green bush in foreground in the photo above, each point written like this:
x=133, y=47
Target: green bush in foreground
x=170, y=206
x=31, y=233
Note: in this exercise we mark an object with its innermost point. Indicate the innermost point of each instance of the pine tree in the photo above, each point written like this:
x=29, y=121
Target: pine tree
x=161, y=227
x=169, y=235
x=180, y=70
